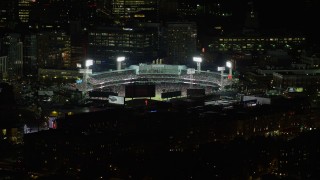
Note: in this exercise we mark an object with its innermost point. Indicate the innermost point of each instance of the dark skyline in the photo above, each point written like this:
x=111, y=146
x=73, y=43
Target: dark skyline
x=296, y=16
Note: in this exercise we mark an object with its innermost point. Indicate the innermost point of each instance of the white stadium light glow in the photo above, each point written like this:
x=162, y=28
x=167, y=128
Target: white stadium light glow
x=221, y=68
x=197, y=59
x=121, y=58
x=89, y=62
x=229, y=64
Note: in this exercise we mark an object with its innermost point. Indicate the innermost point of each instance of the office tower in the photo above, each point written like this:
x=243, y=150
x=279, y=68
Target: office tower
x=137, y=44
x=54, y=50
x=249, y=43
x=168, y=10
x=3, y=67
x=12, y=47
x=187, y=8
x=78, y=39
x=30, y=64
x=251, y=21
x=125, y=9
x=24, y=8
x=181, y=39
x=49, y=15
x=8, y=17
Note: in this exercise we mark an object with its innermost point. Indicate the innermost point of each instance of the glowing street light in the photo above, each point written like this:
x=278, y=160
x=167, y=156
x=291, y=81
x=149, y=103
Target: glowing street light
x=229, y=65
x=198, y=60
x=120, y=59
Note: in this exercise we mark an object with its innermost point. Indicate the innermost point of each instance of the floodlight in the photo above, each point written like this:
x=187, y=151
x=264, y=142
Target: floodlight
x=197, y=59
x=89, y=62
x=229, y=64
x=121, y=58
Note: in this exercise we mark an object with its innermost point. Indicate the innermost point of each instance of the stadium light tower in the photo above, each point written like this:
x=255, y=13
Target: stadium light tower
x=120, y=59
x=198, y=60
x=191, y=71
x=229, y=65
x=221, y=69
x=89, y=62
x=86, y=71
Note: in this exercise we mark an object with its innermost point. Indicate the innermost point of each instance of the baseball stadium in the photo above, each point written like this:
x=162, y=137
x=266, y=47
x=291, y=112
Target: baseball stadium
x=153, y=80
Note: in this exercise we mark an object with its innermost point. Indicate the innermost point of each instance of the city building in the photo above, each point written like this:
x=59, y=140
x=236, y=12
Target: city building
x=312, y=61
x=57, y=14
x=78, y=38
x=8, y=17
x=30, y=63
x=3, y=67
x=180, y=39
x=24, y=8
x=53, y=50
x=12, y=47
x=58, y=76
x=187, y=8
x=309, y=80
x=126, y=9
x=137, y=44
x=260, y=43
x=252, y=20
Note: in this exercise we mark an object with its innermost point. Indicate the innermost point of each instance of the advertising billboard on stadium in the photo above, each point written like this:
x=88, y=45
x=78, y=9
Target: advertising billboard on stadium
x=102, y=94
x=295, y=89
x=116, y=100
x=140, y=90
x=195, y=92
x=191, y=71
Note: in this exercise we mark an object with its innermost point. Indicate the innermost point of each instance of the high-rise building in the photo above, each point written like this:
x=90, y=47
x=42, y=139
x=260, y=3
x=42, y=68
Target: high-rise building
x=180, y=39
x=78, y=40
x=249, y=43
x=51, y=14
x=137, y=44
x=125, y=9
x=187, y=8
x=3, y=66
x=12, y=47
x=54, y=50
x=24, y=7
x=30, y=64
x=251, y=21
x=7, y=13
